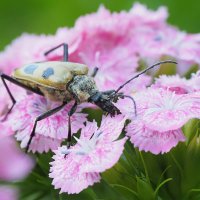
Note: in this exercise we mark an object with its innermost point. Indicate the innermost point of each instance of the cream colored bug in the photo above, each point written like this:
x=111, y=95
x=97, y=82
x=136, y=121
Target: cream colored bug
x=51, y=78
x=65, y=81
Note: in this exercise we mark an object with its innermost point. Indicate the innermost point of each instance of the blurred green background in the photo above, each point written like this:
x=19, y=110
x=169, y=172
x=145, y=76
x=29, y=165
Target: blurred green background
x=45, y=16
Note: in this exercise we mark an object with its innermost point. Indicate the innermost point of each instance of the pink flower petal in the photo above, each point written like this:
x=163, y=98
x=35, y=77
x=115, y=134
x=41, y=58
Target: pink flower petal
x=104, y=157
x=173, y=83
x=67, y=176
x=151, y=140
x=39, y=142
x=49, y=131
x=164, y=110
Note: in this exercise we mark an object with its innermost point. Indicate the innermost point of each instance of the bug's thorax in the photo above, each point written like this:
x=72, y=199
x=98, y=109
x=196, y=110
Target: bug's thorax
x=82, y=87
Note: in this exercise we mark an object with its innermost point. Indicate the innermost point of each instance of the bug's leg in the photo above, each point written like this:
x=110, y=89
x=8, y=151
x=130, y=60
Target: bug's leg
x=70, y=113
x=16, y=82
x=10, y=94
x=5, y=77
x=41, y=117
x=65, y=54
x=94, y=73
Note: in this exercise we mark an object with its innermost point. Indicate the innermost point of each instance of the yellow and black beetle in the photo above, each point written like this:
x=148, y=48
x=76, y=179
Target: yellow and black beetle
x=65, y=81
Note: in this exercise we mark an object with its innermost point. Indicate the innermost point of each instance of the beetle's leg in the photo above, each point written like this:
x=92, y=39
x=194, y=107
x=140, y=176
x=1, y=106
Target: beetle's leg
x=65, y=55
x=10, y=94
x=41, y=117
x=94, y=73
x=70, y=113
x=14, y=81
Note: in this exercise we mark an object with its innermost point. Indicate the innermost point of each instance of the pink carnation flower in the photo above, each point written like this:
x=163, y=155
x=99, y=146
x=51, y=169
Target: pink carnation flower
x=160, y=115
x=14, y=164
x=173, y=83
x=189, y=49
x=5, y=130
x=67, y=175
x=50, y=131
x=139, y=13
x=25, y=49
x=96, y=151
x=152, y=140
x=8, y=193
x=29, y=48
x=195, y=108
x=105, y=47
x=195, y=81
x=163, y=39
x=165, y=110
x=110, y=51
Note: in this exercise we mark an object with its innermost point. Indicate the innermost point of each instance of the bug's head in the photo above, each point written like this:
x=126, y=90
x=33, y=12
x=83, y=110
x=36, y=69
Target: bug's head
x=105, y=102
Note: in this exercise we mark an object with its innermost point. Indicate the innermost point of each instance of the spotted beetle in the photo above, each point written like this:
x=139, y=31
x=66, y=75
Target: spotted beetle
x=65, y=81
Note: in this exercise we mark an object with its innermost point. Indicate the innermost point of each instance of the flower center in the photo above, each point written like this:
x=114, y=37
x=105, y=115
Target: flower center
x=84, y=146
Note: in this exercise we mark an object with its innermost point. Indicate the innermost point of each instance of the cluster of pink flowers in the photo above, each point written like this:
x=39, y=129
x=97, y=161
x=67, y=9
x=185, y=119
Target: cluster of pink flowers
x=116, y=43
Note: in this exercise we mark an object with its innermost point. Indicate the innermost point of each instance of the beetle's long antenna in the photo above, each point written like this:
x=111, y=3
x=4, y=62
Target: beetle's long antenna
x=134, y=103
x=144, y=71
x=65, y=54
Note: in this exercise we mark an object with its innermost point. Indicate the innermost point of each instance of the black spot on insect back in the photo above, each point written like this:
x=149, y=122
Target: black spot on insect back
x=48, y=72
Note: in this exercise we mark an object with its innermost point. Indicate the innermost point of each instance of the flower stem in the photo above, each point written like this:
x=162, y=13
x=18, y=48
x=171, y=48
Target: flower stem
x=145, y=167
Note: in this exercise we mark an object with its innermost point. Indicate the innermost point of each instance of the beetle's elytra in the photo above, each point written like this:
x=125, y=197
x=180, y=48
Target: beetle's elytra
x=53, y=79
x=65, y=81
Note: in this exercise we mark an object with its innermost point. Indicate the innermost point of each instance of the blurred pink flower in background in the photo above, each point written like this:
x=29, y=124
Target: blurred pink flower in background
x=195, y=81
x=8, y=193
x=96, y=151
x=14, y=164
x=173, y=83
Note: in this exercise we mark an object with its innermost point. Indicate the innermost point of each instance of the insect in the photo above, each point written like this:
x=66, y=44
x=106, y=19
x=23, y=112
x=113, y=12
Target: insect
x=64, y=81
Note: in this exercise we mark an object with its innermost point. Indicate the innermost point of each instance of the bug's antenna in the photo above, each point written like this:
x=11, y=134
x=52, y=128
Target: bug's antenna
x=144, y=71
x=65, y=54
x=134, y=103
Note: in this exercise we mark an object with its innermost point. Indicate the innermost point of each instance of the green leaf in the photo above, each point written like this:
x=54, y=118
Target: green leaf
x=192, y=69
x=167, y=68
x=190, y=129
x=127, y=192
x=161, y=184
x=144, y=189
x=104, y=191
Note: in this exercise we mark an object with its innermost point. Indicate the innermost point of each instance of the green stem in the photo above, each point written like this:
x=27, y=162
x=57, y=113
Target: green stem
x=126, y=188
x=145, y=168
x=177, y=164
x=160, y=185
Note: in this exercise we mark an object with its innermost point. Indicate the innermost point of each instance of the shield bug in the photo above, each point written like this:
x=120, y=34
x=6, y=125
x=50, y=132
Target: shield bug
x=64, y=81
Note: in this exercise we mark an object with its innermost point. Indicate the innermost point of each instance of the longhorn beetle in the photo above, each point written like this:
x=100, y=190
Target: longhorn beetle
x=65, y=81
